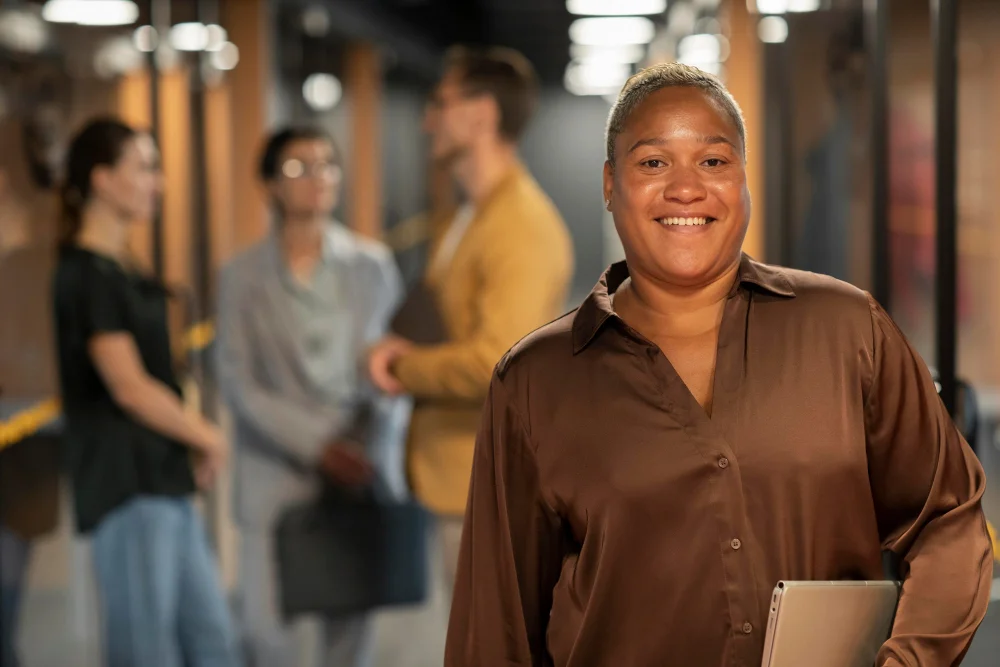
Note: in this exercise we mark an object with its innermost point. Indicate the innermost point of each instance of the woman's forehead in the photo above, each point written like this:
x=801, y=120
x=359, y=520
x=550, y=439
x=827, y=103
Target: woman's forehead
x=681, y=108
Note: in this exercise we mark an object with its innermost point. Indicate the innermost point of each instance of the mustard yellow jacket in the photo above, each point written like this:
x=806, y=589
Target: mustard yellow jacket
x=509, y=275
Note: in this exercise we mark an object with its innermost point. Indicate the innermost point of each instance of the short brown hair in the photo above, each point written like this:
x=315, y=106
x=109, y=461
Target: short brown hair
x=669, y=75
x=503, y=74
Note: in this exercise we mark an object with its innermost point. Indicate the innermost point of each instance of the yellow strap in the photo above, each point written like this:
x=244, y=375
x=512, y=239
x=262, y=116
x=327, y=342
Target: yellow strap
x=31, y=420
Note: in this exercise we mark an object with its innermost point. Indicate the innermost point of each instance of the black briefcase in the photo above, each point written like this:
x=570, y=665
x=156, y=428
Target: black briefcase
x=352, y=551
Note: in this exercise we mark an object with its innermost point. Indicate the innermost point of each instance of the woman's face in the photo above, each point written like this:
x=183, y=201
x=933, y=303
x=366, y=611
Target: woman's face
x=133, y=186
x=678, y=190
x=308, y=180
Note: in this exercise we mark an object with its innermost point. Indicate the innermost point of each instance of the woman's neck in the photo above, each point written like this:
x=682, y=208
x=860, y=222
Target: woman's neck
x=103, y=232
x=660, y=310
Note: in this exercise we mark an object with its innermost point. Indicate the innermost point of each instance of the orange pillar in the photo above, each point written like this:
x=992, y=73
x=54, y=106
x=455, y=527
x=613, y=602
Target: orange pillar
x=247, y=22
x=132, y=104
x=175, y=139
x=745, y=79
x=364, y=89
x=220, y=173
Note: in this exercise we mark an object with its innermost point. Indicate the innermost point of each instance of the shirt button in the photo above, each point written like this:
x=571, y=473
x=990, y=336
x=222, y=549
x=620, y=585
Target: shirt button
x=747, y=628
x=736, y=544
x=723, y=463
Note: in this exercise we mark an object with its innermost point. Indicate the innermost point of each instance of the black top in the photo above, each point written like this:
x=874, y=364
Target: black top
x=111, y=457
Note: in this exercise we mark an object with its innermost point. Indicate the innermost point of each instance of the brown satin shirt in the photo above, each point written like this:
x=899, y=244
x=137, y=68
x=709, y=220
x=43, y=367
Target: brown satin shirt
x=612, y=523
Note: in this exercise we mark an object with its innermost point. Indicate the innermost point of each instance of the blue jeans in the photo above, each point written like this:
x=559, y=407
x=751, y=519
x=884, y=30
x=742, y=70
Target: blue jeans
x=161, y=597
x=14, y=554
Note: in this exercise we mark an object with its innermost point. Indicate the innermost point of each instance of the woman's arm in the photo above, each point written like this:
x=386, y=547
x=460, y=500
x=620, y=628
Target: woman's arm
x=512, y=550
x=146, y=399
x=927, y=486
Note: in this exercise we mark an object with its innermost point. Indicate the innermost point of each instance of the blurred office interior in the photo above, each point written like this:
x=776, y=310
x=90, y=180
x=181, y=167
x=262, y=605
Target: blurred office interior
x=872, y=136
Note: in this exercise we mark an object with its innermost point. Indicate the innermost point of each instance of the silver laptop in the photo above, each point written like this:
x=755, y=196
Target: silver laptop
x=829, y=623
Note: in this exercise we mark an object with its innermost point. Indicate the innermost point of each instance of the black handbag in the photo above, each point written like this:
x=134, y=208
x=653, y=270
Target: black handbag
x=352, y=551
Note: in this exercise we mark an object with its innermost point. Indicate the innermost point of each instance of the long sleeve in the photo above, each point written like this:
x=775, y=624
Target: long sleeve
x=292, y=430
x=524, y=277
x=927, y=485
x=511, y=551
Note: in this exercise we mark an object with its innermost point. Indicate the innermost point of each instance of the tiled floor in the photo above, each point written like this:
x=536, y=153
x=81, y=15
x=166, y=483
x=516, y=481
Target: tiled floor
x=407, y=638
x=412, y=638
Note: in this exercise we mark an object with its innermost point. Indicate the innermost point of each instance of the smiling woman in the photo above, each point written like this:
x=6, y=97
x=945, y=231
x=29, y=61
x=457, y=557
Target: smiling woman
x=649, y=466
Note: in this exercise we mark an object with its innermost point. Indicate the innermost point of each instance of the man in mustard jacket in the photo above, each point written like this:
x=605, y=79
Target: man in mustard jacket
x=499, y=267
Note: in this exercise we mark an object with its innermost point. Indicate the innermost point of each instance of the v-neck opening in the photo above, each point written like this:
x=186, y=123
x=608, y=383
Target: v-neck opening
x=723, y=396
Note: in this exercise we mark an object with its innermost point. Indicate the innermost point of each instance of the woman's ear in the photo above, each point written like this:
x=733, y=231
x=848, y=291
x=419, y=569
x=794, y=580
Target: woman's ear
x=100, y=180
x=609, y=179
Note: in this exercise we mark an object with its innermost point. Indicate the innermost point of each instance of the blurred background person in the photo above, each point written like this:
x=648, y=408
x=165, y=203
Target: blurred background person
x=134, y=453
x=297, y=312
x=500, y=268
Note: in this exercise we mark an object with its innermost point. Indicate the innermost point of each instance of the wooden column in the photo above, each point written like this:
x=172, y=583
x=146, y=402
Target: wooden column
x=363, y=84
x=175, y=133
x=132, y=105
x=219, y=159
x=248, y=25
x=745, y=79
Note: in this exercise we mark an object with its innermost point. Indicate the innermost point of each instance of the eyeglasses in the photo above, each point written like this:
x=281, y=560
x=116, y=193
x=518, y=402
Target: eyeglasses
x=294, y=169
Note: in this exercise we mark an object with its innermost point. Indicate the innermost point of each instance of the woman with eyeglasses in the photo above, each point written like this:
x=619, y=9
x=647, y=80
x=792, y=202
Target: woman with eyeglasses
x=297, y=312
x=135, y=455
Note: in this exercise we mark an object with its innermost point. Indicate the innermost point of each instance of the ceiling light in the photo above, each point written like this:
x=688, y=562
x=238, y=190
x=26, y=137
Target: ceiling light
x=321, y=91
x=596, y=78
x=316, y=21
x=803, y=5
x=772, y=30
x=772, y=6
x=226, y=58
x=612, y=31
x=117, y=56
x=145, y=38
x=682, y=19
x=699, y=49
x=91, y=12
x=630, y=53
x=217, y=37
x=616, y=8
x=189, y=36
x=22, y=30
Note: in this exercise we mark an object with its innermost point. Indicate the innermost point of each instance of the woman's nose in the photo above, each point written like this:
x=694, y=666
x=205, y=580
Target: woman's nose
x=684, y=186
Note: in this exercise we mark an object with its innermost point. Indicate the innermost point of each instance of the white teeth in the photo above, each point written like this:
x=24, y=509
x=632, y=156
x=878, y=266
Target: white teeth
x=683, y=222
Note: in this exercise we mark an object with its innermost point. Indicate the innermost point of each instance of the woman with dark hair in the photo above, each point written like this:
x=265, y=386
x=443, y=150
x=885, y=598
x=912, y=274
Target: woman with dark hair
x=134, y=453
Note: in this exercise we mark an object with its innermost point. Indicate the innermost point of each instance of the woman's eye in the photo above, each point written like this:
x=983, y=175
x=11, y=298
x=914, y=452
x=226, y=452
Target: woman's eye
x=654, y=163
x=714, y=162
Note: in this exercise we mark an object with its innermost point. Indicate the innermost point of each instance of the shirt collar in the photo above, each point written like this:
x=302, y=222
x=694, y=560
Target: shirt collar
x=597, y=309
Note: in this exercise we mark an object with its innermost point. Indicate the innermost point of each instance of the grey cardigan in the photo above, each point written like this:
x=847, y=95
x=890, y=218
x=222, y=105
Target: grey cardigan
x=281, y=420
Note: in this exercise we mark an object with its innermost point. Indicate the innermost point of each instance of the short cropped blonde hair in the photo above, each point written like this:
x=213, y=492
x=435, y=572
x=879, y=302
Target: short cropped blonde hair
x=669, y=75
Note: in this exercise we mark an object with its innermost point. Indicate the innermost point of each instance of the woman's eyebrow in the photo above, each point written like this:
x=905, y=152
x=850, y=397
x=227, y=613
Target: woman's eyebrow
x=710, y=140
